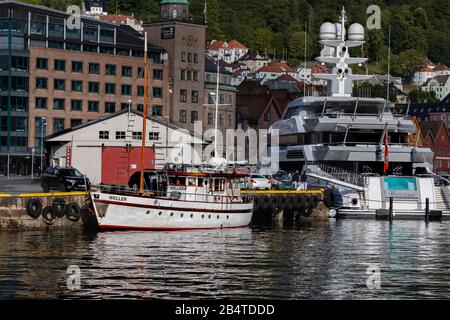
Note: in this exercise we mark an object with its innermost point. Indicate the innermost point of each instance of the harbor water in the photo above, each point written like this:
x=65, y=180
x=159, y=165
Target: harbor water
x=345, y=259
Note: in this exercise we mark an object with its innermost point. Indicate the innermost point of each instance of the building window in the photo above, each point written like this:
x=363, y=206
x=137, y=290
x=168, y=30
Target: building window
x=210, y=118
x=183, y=74
x=137, y=135
x=221, y=119
x=120, y=135
x=110, y=107
x=93, y=87
x=77, y=105
x=229, y=120
x=141, y=73
x=157, y=110
x=194, y=116
x=60, y=65
x=210, y=99
x=41, y=103
x=222, y=98
x=195, y=76
x=94, y=68
x=157, y=92
x=126, y=71
x=183, y=95
x=140, y=107
x=103, y=135
x=267, y=116
x=42, y=63
x=194, y=96
x=189, y=57
x=75, y=122
x=41, y=83
x=189, y=75
x=195, y=57
x=157, y=74
x=110, y=88
x=123, y=106
x=153, y=136
x=183, y=56
x=140, y=91
x=77, y=85
x=183, y=116
x=126, y=90
x=59, y=84
x=93, y=106
x=110, y=70
x=77, y=66
x=59, y=104
x=58, y=125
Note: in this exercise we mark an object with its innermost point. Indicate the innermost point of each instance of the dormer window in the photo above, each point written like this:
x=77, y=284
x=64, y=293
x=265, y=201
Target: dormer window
x=165, y=13
x=175, y=14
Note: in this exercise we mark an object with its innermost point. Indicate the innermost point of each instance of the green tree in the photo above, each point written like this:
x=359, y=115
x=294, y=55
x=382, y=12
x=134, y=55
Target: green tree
x=297, y=45
x=407, y=63
x=263, y=39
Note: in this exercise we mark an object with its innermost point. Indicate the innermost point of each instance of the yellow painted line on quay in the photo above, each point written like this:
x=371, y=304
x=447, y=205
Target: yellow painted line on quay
x=269, y=192
x=5, y=195
x=52, y=194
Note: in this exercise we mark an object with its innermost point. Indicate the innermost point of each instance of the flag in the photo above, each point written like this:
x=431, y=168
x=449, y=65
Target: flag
x=386, y=151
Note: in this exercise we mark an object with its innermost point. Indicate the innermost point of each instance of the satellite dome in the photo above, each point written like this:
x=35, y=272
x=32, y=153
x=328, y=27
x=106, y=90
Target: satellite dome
x=356, y=32
x=327, y=31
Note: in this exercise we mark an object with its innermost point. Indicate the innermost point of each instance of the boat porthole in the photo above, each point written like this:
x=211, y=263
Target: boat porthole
x=228, y=217
x=148, y=212
x=218, y=217
x=160, y=213
x=203, y=216
x=192, y=215
x=171, y=214
x=209, y=217
x=182, y=215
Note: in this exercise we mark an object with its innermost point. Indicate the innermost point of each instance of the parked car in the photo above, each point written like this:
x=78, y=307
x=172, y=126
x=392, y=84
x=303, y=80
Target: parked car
x=258, y=182
x=284, y=181
x=64, y=179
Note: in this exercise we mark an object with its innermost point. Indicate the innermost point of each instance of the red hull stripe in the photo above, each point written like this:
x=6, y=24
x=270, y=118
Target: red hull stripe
x=137, y=205
x=119, y=228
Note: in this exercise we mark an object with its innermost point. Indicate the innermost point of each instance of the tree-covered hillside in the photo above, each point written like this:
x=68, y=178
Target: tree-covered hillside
x=419, y=28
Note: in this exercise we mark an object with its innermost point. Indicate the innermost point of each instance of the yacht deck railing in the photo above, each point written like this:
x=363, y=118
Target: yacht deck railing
x=337, y=173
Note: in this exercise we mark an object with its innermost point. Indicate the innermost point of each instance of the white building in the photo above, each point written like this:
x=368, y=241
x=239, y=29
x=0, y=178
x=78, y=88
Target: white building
x=97, y=146
x=254, y=61
x=227, y=51
x=95, y=7
x=274, y=70
x=439, y=84
x=429, y=71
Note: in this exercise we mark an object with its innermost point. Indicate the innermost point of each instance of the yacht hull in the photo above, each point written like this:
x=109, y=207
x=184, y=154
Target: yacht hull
x=125, y=212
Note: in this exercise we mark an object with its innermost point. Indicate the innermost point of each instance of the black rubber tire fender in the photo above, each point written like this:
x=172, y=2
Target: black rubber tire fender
x=59, y=207
x=307, y=212
x=265, y=202
x=273, y=202
x=290, y=203
x=281, y=202
x=48, y=215
x=34, y=208
x=73, y=212
x=297, y=200
x=306, y=202
x=256, y=204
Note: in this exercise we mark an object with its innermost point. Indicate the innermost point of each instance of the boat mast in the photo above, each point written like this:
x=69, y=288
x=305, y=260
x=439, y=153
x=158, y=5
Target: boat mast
x=144, y=117
x=217, y=108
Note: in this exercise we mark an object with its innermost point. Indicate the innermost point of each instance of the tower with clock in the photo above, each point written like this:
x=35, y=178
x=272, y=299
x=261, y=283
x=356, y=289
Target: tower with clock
x=184, y=41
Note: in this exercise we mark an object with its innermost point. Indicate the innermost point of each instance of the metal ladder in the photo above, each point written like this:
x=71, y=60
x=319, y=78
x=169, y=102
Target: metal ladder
x=441, y=201
x=130, y=127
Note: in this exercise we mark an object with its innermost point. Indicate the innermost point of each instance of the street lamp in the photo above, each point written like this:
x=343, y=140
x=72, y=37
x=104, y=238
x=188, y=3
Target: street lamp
x=43, y=123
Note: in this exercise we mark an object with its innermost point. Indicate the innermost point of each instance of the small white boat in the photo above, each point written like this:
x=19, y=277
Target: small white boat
x=186, y=198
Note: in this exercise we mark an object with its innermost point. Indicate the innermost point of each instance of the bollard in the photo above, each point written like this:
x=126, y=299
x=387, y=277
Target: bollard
x=427, y=210
x=391, y=209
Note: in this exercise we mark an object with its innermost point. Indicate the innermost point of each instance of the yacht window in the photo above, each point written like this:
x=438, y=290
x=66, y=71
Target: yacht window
x=192, y=182
x=177, y=181
x=217, y=185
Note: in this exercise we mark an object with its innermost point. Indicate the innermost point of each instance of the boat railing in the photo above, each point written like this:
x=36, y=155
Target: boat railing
x=174, y=194
x=338, y=173
x=366, y=144
x=337, y=115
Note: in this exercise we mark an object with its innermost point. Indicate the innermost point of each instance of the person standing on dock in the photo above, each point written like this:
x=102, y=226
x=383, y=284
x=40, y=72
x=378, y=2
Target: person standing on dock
x=296, y=179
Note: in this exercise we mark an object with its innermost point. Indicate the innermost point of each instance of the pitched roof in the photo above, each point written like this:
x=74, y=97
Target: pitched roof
x=251, y=55
x=234, y=44
x=286, y=77
x=277, y=67
x=216, y=45
x=431, y=127
x=441, y=67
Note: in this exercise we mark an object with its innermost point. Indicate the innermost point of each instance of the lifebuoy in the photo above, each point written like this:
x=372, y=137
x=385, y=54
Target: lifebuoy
x=34, y=208
x=48, y=215
x=73, y=212
x=59, y=207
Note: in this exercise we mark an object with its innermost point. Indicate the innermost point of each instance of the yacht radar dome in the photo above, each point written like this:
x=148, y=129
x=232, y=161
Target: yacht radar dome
x=327, y=31
x=356, y=32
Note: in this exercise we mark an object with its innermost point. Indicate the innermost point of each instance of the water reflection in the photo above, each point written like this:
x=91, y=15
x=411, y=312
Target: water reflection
x=327, y=261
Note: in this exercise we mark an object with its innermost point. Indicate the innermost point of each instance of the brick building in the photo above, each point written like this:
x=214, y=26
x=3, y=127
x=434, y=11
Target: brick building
x=55, y=75
x=184, y=41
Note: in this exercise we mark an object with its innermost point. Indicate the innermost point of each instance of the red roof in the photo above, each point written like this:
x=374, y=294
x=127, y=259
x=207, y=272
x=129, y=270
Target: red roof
x=117, y=19
x=216, y=45
x=234, y=44
x=287, y=77
x=277, y=67
x=441, y=67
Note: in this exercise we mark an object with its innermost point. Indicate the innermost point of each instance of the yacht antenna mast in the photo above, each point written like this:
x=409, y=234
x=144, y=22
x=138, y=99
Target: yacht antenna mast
x=217, y=107
x=389, y=66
